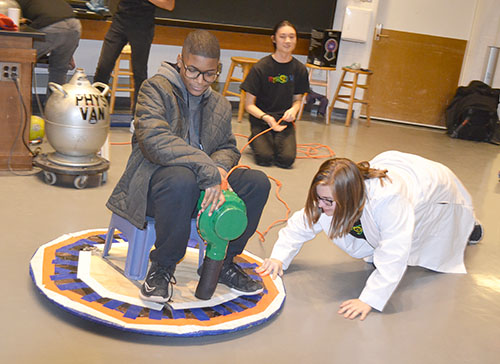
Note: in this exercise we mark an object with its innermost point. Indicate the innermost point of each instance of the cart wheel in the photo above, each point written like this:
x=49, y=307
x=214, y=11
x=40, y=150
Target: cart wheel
x=104, y=177
x=49, y=177
x=80, y=182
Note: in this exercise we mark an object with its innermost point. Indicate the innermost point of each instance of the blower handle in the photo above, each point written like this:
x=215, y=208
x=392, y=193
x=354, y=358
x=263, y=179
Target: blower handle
x=57, y=88
x=105, y=87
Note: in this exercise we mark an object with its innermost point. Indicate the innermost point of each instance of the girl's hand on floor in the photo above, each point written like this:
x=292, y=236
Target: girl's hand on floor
x=352, y=308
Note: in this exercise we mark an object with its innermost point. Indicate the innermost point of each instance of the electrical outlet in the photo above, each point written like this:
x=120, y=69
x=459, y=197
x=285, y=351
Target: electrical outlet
x=9, y=70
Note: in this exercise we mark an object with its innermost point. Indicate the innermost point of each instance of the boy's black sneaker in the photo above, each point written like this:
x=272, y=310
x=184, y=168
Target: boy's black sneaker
x=477, y=234
x=233, y=276
x=158, y=285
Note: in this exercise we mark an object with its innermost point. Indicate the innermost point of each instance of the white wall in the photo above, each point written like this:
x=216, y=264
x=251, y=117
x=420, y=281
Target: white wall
x=352, y=52
x=485, y=33
x=444, y=18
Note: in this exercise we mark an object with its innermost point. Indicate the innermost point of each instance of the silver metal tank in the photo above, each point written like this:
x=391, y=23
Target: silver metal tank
x=77, y=121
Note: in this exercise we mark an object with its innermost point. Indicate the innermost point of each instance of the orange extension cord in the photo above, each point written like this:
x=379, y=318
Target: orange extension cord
x=309, y=151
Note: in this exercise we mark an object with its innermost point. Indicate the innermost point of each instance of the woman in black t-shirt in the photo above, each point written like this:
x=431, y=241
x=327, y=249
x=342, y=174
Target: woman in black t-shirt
x=274, y=88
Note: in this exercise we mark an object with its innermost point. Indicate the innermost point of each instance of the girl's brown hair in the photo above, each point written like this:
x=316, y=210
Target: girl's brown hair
x=346, y=179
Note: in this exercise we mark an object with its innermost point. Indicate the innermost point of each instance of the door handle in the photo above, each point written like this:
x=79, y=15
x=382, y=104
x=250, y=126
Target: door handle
x=378, y=32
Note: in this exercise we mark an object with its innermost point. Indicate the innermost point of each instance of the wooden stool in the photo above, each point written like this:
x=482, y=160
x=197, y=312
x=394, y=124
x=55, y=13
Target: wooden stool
x=323, y=83
x=246, y=64
x=350, y=99
x=125, y=55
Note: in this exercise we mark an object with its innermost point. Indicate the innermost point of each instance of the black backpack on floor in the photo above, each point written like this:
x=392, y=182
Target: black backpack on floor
x=472, y=114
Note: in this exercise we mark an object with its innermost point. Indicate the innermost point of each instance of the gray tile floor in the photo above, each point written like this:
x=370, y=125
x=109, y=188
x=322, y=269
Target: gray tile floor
x=432, y=318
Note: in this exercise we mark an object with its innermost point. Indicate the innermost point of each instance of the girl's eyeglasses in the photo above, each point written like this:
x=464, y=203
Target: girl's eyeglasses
x=326, y=201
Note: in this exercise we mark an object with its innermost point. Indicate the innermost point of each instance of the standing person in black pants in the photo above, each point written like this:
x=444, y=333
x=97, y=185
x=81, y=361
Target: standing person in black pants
x=62, y=34
x=134, y=23
x=274, y=88
x=183, y=144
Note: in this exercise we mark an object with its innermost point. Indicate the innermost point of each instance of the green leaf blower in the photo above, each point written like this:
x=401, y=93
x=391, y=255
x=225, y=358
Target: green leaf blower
x=227, y=223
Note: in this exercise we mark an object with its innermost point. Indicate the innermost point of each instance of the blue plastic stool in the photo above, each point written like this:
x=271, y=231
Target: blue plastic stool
x=140, y=243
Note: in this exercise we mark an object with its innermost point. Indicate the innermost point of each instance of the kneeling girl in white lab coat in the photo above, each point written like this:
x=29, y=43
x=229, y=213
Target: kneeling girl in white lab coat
x=396, y=210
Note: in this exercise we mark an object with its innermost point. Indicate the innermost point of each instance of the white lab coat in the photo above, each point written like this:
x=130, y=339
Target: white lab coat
x=422, y=218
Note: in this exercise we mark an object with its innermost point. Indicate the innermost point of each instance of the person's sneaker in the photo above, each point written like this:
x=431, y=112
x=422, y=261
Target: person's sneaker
x=158, y=285
x=477, y=234
x=233, y=276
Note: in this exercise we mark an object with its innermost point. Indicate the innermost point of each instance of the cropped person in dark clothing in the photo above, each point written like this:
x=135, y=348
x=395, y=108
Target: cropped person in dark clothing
x=183, y=144
x=132, y=23
x=63, y=30
x=274, y=87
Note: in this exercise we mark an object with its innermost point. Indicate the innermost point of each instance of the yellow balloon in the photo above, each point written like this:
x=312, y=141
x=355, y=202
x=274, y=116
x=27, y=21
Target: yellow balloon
x=37, y=128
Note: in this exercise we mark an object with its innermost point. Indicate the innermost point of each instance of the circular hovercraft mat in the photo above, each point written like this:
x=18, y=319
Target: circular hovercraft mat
x=71, y=272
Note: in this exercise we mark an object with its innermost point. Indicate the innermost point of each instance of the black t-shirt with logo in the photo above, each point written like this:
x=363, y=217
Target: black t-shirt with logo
x=274, y=84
